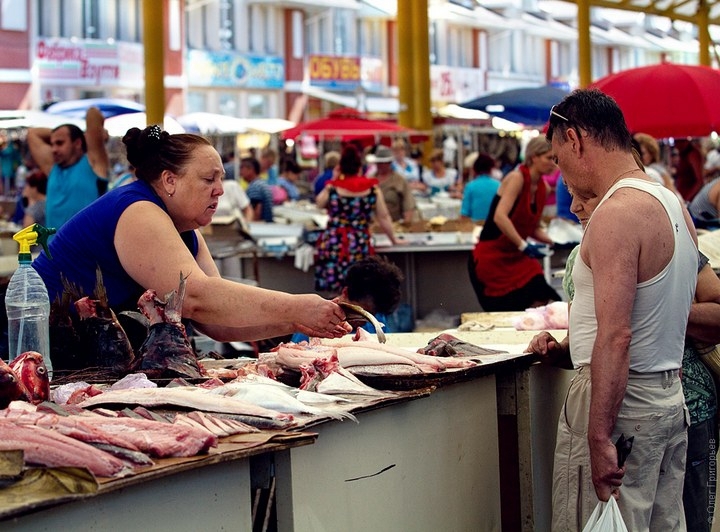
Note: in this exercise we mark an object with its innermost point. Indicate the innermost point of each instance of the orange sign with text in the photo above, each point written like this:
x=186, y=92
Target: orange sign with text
x=334, y=71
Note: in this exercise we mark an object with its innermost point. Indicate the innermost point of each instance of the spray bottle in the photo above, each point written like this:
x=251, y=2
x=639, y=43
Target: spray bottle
x=27, y=302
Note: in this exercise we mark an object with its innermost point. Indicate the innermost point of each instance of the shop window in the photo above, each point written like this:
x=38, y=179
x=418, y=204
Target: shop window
x=196, y=102
x=258, y=105
x=228, y=104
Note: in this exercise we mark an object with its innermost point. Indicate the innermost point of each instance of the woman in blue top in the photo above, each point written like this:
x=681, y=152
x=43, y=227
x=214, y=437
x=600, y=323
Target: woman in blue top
x=145, y=235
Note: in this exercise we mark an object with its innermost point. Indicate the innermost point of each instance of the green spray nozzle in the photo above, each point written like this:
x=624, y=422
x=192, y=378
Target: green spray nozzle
x=31, y=235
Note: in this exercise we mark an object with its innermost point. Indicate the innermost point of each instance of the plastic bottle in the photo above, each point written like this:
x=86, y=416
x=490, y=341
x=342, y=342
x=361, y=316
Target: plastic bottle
x=27, y=302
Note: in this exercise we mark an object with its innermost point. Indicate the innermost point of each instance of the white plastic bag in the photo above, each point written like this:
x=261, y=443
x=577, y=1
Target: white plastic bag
x=606, y=518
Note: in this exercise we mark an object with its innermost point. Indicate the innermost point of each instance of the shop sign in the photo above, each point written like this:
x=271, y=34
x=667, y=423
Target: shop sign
x=334, y=72
x=225, y=69
x=82, y=62
x=455, y=84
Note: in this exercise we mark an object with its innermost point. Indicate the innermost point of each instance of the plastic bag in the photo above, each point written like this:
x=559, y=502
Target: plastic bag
x=606, y=518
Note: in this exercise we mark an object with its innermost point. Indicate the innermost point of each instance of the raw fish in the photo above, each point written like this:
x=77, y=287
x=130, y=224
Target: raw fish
x=186, y=397
x=31, y=371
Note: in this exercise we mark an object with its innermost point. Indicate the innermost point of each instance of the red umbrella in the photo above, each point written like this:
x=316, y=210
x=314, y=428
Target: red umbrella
x=346, y=124
x=667, y=100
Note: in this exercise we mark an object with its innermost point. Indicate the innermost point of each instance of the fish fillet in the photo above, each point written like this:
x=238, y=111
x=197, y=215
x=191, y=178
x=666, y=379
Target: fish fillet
x=52, y=449
x=186, y=397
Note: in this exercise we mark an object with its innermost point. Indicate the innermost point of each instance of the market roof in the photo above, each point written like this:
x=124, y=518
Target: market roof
x=686, y=10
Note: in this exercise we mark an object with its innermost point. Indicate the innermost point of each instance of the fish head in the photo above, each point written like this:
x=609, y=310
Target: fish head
x=33, y=376
x=10, y=387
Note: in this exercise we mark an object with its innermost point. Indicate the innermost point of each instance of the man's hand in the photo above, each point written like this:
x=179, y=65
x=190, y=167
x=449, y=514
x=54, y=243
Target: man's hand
x=606, y=475
x=550, y=350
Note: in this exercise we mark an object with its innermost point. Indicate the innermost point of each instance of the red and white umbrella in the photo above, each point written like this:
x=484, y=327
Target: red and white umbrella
x=667, y=100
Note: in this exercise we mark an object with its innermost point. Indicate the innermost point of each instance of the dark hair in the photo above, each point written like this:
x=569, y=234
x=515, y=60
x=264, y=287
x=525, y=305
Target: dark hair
x=291, y=165
x=374, y=280
x=151, y=150
x=483, y=164
x=251, y=161
x=75, y=133
x=350, y=161
x=594, y=112
x=37, y=179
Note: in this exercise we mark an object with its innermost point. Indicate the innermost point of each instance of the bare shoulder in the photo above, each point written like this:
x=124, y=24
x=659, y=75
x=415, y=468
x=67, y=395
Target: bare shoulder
x=512, y=181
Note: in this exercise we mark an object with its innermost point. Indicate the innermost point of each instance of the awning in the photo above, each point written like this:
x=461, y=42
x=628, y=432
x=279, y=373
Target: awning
x=369, y=104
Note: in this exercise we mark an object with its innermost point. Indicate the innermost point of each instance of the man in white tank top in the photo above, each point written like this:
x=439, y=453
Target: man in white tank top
x=635, y=277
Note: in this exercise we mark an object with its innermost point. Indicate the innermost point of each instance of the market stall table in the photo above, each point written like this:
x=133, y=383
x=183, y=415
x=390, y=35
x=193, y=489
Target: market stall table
x=208, y=492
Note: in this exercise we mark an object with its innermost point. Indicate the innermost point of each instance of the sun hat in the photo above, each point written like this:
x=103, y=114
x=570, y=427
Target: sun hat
x=382, y=154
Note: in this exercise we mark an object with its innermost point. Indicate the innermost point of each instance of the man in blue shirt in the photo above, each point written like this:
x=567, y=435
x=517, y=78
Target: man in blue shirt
x=258, y=190
x=76, y=164
x=480, y=192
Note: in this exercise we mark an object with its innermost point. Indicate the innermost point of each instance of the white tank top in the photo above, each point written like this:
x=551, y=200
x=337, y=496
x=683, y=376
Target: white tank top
x=662, y=304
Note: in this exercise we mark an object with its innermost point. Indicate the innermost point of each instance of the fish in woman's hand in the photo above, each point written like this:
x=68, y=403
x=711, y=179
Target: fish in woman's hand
x=32, y=374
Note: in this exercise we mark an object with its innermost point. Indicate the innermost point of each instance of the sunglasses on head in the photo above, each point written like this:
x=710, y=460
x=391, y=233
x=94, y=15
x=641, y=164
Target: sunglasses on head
x=554, y=113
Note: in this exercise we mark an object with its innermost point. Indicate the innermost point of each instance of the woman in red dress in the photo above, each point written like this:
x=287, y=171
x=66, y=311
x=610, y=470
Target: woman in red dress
x=351, y=200
x=504, y=267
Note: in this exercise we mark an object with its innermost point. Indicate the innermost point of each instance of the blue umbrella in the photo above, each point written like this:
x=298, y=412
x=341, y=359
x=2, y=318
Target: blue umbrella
x=529, y=106
x=109, y=107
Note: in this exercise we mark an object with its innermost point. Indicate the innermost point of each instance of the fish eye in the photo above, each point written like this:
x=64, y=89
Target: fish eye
x=41, y=370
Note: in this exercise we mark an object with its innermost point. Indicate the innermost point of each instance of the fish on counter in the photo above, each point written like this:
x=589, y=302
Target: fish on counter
x=191, y=398
x=277, y=398
x=327, y=376
x=166, y=352
x=151, y=437
x=65, y=348
x=102, y=338
x=447, y=345
x=49, y=448
x=32, y=374
x=11, y=389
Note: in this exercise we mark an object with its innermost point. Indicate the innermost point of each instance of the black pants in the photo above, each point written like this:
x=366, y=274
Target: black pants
x=700, y=475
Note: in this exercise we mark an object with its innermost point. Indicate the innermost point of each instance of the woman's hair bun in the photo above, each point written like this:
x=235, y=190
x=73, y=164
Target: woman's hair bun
x=143, y=143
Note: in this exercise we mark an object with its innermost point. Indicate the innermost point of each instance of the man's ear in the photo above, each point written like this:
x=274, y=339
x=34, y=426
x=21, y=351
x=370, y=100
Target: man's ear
x=573, y=137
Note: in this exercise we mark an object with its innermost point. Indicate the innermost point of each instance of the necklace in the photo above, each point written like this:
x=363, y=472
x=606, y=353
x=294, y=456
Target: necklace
x=618, y=178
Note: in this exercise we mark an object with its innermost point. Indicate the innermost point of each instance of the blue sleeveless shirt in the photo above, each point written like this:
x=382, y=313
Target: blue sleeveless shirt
x=86, y=242
x=69, y=190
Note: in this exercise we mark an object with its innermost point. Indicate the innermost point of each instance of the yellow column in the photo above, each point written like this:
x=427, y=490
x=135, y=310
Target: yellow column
x=405, y=61
x=414, y=67
x=584, y=47
x=153, y=41
x=703, y=32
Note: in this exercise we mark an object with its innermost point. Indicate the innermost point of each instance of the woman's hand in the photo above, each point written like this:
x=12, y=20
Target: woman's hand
x=319, y=317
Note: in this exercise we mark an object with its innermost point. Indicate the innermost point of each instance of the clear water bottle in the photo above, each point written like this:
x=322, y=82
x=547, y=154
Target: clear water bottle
x=27, y=302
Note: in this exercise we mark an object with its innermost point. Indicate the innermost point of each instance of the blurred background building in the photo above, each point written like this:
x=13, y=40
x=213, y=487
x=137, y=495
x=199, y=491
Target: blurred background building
x=297, y=59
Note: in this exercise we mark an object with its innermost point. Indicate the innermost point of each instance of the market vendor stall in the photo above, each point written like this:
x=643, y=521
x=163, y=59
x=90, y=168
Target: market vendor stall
x=451, y=427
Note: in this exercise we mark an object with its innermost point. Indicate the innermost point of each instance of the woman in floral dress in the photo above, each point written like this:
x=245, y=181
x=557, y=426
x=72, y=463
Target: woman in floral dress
x=351, y=201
